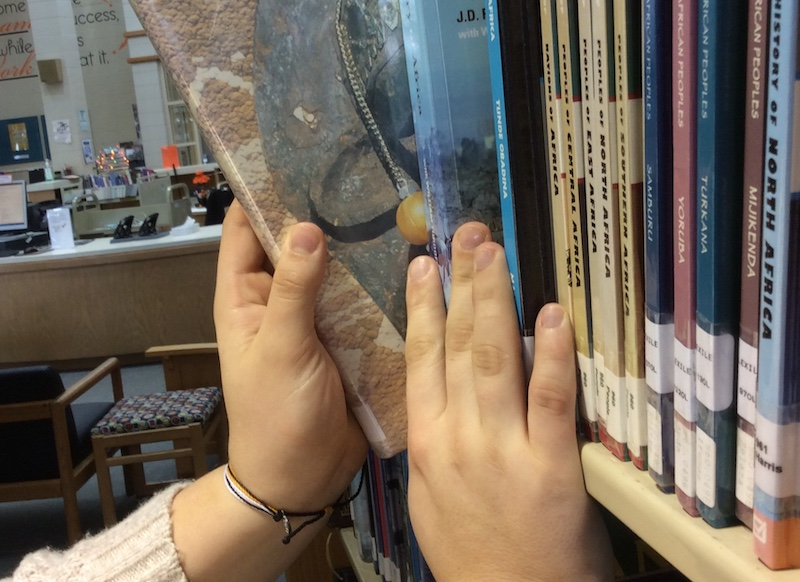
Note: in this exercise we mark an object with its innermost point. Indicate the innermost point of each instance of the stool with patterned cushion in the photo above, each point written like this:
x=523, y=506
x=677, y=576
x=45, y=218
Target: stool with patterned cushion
x=188, y=418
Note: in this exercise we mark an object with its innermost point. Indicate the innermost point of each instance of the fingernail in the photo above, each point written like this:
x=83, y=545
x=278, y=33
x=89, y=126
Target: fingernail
x=551, y=315
x=304, y=239
x=419, y=268
x=484, y=257
x=469, y=237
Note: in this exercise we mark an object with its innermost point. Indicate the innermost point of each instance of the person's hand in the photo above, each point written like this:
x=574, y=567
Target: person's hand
x=293, y=441
x=496, y=488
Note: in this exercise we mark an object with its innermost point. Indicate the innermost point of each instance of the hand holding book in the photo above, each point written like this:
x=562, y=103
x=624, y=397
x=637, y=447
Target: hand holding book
x=495, y=481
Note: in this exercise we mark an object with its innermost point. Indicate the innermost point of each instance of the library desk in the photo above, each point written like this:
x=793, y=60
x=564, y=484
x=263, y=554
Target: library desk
x=69, y=306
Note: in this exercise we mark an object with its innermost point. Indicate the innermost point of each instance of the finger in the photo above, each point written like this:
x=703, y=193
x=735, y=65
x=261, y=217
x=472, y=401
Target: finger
x=553, y=386
x=496, y=352
x=426, y=395
x=295, y=285
x=460, y=316
x=241, y=279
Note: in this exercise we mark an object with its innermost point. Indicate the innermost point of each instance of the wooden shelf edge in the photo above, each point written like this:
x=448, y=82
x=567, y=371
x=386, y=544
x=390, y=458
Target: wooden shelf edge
x=364, y=571
x=699, y=551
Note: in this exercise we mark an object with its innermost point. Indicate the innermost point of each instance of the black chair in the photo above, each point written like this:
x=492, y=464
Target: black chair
x=45, y=437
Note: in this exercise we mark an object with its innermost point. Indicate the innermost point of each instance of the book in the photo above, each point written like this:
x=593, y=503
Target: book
x=612, y=420
x=592, y=163
x=360, y=511
x=566, y=14
x=658, y=274
x=627, y=52
x=720, y=126
x=326, y=136
x=449, y=79
x=753, y=178
x=684, y=177
x=555, y=158
x=515, y=60
x=776, y=514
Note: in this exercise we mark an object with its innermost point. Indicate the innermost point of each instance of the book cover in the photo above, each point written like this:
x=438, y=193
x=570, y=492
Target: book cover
x=628, y=55
x=612, y=420
x=776, y=515
x=515, y=60
x=658, y=276
x=577, y=228
x=684, y=177
x=451, y=96
x=555, y=159
x=721, y=44
x=592, y=163
x=753, y=178
x=323, y=135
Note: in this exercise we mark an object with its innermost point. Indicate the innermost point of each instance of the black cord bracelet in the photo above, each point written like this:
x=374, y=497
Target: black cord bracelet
x=245, y=496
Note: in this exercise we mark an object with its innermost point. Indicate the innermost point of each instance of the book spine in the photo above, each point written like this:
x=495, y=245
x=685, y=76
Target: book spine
x=555, y=159
x=614, y=390
x=572, y=144
x=720, y=124
x=776, y=515
x=516, y=72
x=627, y=51
x=504, y=164
x=747, y=373
x=362, y=522
x=659, y=307
x=448, y=71
x=593, y=189
x=684, y=177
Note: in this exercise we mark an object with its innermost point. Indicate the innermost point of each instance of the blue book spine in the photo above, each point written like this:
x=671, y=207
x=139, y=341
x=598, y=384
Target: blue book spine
x=722, y=42
x=451, y=97
x=502, y=147
x=776, y=515
x=658, y=273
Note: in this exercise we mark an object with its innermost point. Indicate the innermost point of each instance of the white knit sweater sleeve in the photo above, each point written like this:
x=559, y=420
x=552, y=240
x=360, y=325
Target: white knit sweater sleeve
x=138, y=549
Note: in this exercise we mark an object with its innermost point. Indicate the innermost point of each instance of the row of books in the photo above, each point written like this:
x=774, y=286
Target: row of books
x=668, y=120
x=648, y=173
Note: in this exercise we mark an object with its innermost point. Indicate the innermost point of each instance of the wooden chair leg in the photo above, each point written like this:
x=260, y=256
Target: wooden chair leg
x=104, y=483
x=135, y=482
x=222, y=438
x=198, y=446
x=70, y=494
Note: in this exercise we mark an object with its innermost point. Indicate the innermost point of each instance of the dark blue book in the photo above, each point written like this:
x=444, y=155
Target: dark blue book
x=658, y=272
x=721, y=66
x=515, y=60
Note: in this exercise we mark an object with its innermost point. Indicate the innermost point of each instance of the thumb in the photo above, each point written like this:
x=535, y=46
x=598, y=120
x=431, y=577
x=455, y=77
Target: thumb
x=296, y=282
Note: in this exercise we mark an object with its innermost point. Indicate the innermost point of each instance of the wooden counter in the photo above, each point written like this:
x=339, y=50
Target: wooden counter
x=102, y=299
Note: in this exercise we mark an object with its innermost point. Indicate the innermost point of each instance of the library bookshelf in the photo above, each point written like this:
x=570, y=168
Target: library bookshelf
x=198, y=53
x=699, y=551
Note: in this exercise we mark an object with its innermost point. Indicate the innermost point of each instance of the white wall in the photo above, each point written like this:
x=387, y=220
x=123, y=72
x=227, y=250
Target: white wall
x=53, y=29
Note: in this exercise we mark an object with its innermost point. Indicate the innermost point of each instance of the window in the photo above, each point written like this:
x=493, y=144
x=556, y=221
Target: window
x=183, y=131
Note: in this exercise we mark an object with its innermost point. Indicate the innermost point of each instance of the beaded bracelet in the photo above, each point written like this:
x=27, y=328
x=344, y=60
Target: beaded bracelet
x=244, y=495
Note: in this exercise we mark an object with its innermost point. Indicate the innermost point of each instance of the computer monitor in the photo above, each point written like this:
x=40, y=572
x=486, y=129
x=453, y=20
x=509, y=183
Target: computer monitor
x=13, y=207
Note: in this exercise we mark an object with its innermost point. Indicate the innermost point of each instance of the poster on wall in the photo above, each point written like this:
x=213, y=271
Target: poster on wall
x=88, y=151
x=17, y=56
x=61, y=131
x=21, y=141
